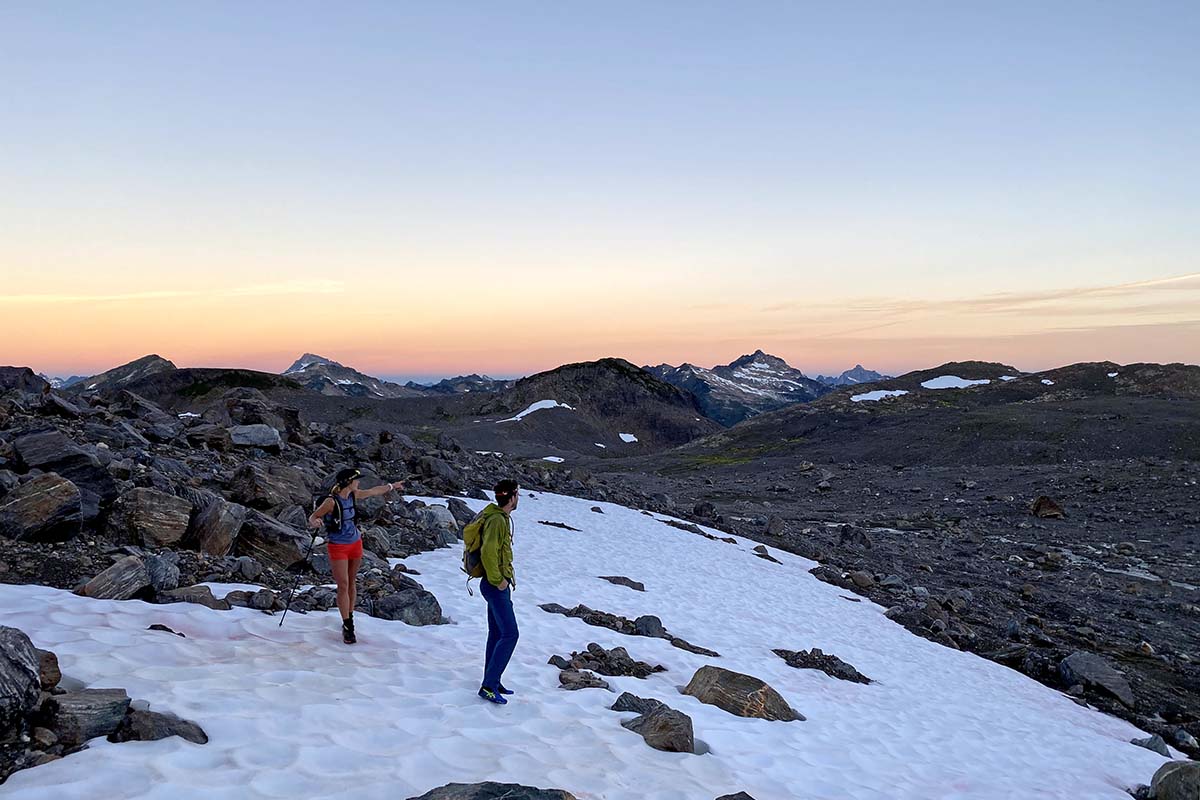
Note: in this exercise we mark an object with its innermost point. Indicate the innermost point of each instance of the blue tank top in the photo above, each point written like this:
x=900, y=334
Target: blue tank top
x=349, y=531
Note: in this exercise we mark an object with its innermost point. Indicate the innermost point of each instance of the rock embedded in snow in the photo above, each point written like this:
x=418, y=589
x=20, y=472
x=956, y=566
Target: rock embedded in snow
x=493, y=791
x=20, y=684
x=738, y=796
x=623, y=581
x=1089, y=669
x=199, y=594
x=150, y=726
x=740, y=694
x=78, y=716
x=640, y=705
x=573, y=679
x=830, y=664
x=45, y=509
x=665, y=729
x=614, y=663
x=1153, y=743
x=1176, y=780
x=121, y=581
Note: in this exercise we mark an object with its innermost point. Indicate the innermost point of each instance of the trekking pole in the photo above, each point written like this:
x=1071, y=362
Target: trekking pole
x=296, y=583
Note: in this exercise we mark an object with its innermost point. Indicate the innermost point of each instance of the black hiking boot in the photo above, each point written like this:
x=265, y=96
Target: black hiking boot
x=348, y=631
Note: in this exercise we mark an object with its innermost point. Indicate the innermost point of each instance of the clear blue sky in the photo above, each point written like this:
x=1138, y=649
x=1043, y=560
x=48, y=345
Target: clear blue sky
x=834, y=182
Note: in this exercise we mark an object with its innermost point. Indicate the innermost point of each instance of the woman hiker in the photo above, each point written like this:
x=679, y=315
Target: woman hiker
x=336, y=513
x=497, y=587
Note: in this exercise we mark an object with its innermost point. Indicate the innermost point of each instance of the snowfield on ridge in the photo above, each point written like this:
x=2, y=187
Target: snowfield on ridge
x=294, y=713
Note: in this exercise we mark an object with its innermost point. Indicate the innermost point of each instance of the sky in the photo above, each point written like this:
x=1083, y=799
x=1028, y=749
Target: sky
x=430, y=189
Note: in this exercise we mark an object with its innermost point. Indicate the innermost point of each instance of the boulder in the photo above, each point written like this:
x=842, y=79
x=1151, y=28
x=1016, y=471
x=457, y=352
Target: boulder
x=212, y=437
x=493, y=791
x=461, y=511
x=150, y=518
x=270, y=542
x=831, y=665
x=200, y=595
x=1046, y=508
x=776, y=526
x=615, y=662
x=439, y=518
x=150, y=726
x=738, y=694
x=49, y=674
x=50, y=451
x=1176, y=780
x=123, y=580
x=665, y=729
x=640, y=705
x=45, y=509
x=414, y=606
x=1153, y=743
x=258, y=435
x=573, y=679
x=267, y=488
x=22, y=381
x=1089, y=669
x=430, y=467
x=78, y=716
x=163, y=571
x=649, y=625
x=20, y=686
x=215, y=527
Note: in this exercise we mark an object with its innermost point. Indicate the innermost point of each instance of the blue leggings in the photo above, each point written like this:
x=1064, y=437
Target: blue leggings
x=502, y=633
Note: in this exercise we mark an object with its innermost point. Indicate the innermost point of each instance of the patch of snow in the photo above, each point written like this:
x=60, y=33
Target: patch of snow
x=554, y=459
x=93, y=386
x=540, y=405
x=495, y=453
x=601, y=445
x=188, y=415
x=1113, y=374
x=1008, y=377
x=219, y=590
x=952, y=382
x=397, y=715
x=878, y=394
x=346, y=382
x=1047, y=382
x=628, y=438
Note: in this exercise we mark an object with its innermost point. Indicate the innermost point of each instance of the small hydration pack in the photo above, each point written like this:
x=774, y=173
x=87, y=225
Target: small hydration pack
x=333, y=520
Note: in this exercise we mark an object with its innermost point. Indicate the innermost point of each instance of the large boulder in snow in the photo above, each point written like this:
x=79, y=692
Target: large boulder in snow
x=50, y=451
x=45, y=509
x=78, y=716
x=665, y=729
x=20, y=685
x=742, y=695
x=269, y=541
x=1090, y=670
x=493, y=791
x=215, y=527
x=150, y=726
x=1176, y=780
x=123, y=580
x=150, y=517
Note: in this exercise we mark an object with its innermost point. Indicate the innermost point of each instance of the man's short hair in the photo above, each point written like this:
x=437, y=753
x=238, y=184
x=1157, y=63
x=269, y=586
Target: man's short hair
x=505, y=490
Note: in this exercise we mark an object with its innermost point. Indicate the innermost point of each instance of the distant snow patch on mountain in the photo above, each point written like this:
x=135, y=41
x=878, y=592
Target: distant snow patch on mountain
x=554, y=459
x=1007, y=378
x=540, y=405
x=1047, y=382
x=952, y=382
x=878, y=394
x=628, y=438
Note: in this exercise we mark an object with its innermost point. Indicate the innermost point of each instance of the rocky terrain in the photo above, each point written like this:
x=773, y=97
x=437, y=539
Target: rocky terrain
x=748, y=386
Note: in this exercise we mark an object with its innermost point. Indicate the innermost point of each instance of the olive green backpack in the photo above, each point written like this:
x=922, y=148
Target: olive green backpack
x=472, y=560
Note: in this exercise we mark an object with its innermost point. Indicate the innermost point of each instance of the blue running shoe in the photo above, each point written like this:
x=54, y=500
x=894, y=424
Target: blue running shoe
x=503, y=690
x=492, y=697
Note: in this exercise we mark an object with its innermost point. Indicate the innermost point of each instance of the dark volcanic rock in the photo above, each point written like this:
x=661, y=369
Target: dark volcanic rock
x=78, y=716
x=742, y=695
x=19, y=678
x=831, y=665
x=45, y=509
x=1090, y=670
x=493, y=791
x=150, y=726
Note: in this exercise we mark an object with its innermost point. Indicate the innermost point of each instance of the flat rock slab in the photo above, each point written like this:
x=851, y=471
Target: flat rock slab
x=831, y=665
x=45, y=509
x=150, y=726
x=619, y=580
x=493, y=791
x=78, y=716
x=121, y=581
x=739, y=694
x=1089, y=669
x=200, y=595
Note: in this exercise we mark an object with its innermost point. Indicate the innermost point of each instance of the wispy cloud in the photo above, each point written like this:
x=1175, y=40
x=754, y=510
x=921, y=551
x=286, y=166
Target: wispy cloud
x=251, y=290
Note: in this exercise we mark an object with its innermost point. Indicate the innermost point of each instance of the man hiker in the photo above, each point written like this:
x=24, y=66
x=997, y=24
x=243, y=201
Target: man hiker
x=337, y=514
x=497, y=587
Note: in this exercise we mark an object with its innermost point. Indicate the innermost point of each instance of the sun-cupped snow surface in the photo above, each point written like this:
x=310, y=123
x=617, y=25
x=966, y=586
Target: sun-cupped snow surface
x=878, y=394
x=291, y=712
x=540, y=405
x=628, y=438
x=952, y=382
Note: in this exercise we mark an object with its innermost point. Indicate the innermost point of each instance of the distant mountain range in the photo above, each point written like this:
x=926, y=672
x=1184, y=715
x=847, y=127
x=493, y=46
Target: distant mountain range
x=749, y=386
x=330, y=378
x=118, y=377
x=464, y=384
x=853, y=376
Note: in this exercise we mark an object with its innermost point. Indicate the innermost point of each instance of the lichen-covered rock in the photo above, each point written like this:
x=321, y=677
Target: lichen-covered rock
x=742, y=695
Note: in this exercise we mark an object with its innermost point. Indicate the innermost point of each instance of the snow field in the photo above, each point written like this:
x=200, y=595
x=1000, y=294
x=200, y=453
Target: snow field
x=293, y=713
